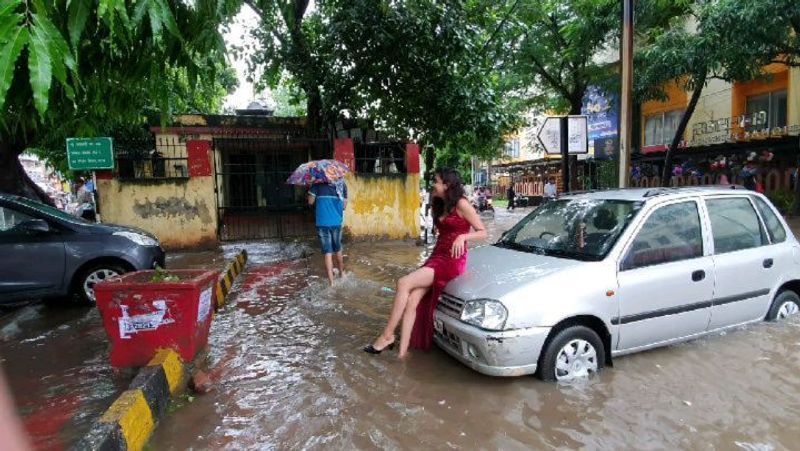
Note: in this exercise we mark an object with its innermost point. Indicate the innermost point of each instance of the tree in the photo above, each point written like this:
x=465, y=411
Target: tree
x=560, y=48
x=730, y=40
x=70, y=67
x=420, y=69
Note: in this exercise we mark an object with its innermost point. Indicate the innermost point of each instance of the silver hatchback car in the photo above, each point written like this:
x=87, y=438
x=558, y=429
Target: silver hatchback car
x=592, y=276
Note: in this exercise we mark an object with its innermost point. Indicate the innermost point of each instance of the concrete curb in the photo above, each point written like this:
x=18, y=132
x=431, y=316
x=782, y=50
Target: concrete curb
x=131, y=419
x=235, y=267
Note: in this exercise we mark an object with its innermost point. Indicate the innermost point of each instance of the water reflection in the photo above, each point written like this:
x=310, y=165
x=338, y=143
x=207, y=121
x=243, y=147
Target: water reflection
x=286, y=355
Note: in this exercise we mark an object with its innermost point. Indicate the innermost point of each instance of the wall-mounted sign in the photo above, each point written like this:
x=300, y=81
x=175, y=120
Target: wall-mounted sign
x=88, y=154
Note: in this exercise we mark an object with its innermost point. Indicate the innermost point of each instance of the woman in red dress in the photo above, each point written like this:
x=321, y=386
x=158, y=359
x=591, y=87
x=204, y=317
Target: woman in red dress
x=418, y=292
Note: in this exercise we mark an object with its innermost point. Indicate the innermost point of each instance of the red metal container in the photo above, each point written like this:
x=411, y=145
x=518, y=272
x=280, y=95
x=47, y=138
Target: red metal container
x=141, y=316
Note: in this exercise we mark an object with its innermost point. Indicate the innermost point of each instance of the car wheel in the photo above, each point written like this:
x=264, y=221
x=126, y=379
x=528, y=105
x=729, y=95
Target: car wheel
x=574, y=353
x=84, y=284
x=786, y=304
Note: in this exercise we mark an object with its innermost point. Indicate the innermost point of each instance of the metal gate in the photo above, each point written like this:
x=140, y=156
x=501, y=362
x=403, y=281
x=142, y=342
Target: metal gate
x=253, y=199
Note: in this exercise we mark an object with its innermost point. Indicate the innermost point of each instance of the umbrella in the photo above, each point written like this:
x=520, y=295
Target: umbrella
x=318, y=171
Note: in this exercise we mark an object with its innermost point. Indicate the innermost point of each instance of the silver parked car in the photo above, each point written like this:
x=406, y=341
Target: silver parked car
x=593, y=276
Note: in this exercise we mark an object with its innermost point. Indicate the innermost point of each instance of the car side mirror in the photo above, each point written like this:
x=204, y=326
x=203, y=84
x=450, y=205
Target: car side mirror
x=503, y=235
x=35, y=226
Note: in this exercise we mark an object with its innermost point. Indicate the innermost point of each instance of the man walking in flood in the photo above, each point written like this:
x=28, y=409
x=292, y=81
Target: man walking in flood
x=330, y=201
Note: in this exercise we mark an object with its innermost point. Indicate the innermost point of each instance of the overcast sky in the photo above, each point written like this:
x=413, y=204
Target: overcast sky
x=238, y=34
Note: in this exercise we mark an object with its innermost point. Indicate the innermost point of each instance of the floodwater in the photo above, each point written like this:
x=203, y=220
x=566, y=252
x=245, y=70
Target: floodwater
x=289, y=373
x=55, y=358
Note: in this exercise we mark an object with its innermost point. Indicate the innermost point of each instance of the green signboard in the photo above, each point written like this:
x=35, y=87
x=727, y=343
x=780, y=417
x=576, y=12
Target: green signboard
x=87, y=154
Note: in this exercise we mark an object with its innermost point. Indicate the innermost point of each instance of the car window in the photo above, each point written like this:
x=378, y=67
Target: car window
x=734, y=225
x=574, y=228
x=777, y=234
x=11, y=218
x=671, y=233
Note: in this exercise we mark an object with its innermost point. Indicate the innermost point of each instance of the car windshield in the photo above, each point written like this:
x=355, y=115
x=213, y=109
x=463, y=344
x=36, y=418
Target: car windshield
x=51, y=211
x=581, y=229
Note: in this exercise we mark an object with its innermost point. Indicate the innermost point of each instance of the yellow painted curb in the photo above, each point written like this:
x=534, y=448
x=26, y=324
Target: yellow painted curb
x=234, y=268
x=171, y=362
x=131, y=412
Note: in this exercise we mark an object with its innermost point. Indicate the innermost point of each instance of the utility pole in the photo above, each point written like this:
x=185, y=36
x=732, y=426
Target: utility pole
x=565, y=175
x=626, y=107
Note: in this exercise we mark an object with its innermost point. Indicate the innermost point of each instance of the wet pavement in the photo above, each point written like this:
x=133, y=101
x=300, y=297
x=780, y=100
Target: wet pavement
x=286, y=359
x=55, y=358
x=289, y=372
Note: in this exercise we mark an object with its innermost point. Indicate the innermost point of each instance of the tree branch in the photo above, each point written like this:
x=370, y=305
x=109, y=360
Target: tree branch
x=499, y=27
x=557, y=85
x=257, y=9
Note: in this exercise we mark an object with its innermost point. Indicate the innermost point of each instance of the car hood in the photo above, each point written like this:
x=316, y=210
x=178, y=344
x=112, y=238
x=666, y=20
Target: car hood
x=493, y=272
x=107, y=229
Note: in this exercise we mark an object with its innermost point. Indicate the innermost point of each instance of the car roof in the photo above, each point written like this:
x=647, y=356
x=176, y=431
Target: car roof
x=6, y=196
x=645, y=194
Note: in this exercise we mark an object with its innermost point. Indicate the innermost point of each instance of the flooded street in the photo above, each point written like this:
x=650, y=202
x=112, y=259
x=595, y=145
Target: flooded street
x=289, y=373
x=55, y=357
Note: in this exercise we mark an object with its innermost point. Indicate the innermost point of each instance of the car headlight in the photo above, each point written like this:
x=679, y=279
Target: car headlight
x=485, y=313
x=138, y=238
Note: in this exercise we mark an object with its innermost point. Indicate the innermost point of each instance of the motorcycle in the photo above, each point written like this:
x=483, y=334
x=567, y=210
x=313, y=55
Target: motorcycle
x=483, y=205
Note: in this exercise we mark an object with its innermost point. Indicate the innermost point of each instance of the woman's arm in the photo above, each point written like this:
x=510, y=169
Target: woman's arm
x=467, y=212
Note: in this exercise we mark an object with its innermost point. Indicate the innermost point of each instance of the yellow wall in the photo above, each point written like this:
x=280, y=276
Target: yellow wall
x=181, y=213
x=383, y=206
x=793, y=97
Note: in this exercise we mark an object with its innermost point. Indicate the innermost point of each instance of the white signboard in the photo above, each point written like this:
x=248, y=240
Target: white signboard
x=204, y=306
x=550, y=135
x=577, y=135
x=134, y=324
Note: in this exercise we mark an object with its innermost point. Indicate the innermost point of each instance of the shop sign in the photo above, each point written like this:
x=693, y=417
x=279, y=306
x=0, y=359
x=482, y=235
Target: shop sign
x=739, y=128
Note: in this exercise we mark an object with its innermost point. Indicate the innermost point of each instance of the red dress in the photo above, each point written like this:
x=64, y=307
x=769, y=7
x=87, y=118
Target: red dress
x=445, y=268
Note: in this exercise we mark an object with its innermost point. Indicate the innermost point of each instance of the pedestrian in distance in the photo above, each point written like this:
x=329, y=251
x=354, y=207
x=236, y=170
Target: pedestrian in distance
x=330, y=201
x=511, y=196
x=550, y=190
x=418, y=293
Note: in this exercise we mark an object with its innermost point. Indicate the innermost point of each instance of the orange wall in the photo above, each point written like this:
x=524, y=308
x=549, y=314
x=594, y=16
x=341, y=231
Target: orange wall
x=778, y=81
x=677, y=99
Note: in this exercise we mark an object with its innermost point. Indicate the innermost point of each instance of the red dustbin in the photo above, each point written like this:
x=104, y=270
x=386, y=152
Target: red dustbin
x=141, y=316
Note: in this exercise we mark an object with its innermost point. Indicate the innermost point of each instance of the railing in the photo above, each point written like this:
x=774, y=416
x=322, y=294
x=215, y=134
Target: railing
x=149, y=159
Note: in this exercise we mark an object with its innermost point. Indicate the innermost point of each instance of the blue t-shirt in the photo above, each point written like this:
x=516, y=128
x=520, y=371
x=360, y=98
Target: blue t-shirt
x=329, y=208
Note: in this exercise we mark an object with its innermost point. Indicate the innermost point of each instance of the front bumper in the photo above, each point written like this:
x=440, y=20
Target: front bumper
x=505, y=353
x=147, y=257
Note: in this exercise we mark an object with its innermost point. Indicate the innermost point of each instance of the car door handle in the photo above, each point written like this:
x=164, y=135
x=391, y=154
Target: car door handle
x=768, y=263
x=698, y=275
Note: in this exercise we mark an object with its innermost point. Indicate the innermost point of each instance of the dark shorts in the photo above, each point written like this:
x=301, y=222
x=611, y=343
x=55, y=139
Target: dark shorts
x=330, y=238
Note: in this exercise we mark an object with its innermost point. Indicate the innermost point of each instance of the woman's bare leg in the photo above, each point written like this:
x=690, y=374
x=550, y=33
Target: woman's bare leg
x=421, y=278
x=409, y=316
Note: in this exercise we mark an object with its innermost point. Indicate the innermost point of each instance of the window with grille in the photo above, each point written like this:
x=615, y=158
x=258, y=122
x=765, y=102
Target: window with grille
x=164, y=157
x=380, y=158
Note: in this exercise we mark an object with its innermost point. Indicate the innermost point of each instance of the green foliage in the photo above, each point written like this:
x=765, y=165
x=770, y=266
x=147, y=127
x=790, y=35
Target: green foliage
x=290, y=100
x=421, y=69
x=783, y=199
x=162, y=275
x=83, y=67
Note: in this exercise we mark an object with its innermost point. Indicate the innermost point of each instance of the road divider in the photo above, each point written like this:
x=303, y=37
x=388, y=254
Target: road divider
x=132, y=417
x=234, y=268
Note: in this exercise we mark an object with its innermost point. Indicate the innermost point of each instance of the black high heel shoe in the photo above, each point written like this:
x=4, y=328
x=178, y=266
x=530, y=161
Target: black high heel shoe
x=372, y=350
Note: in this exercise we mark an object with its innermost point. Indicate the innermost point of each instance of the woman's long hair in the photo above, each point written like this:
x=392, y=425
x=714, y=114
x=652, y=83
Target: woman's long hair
x=454, y=193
